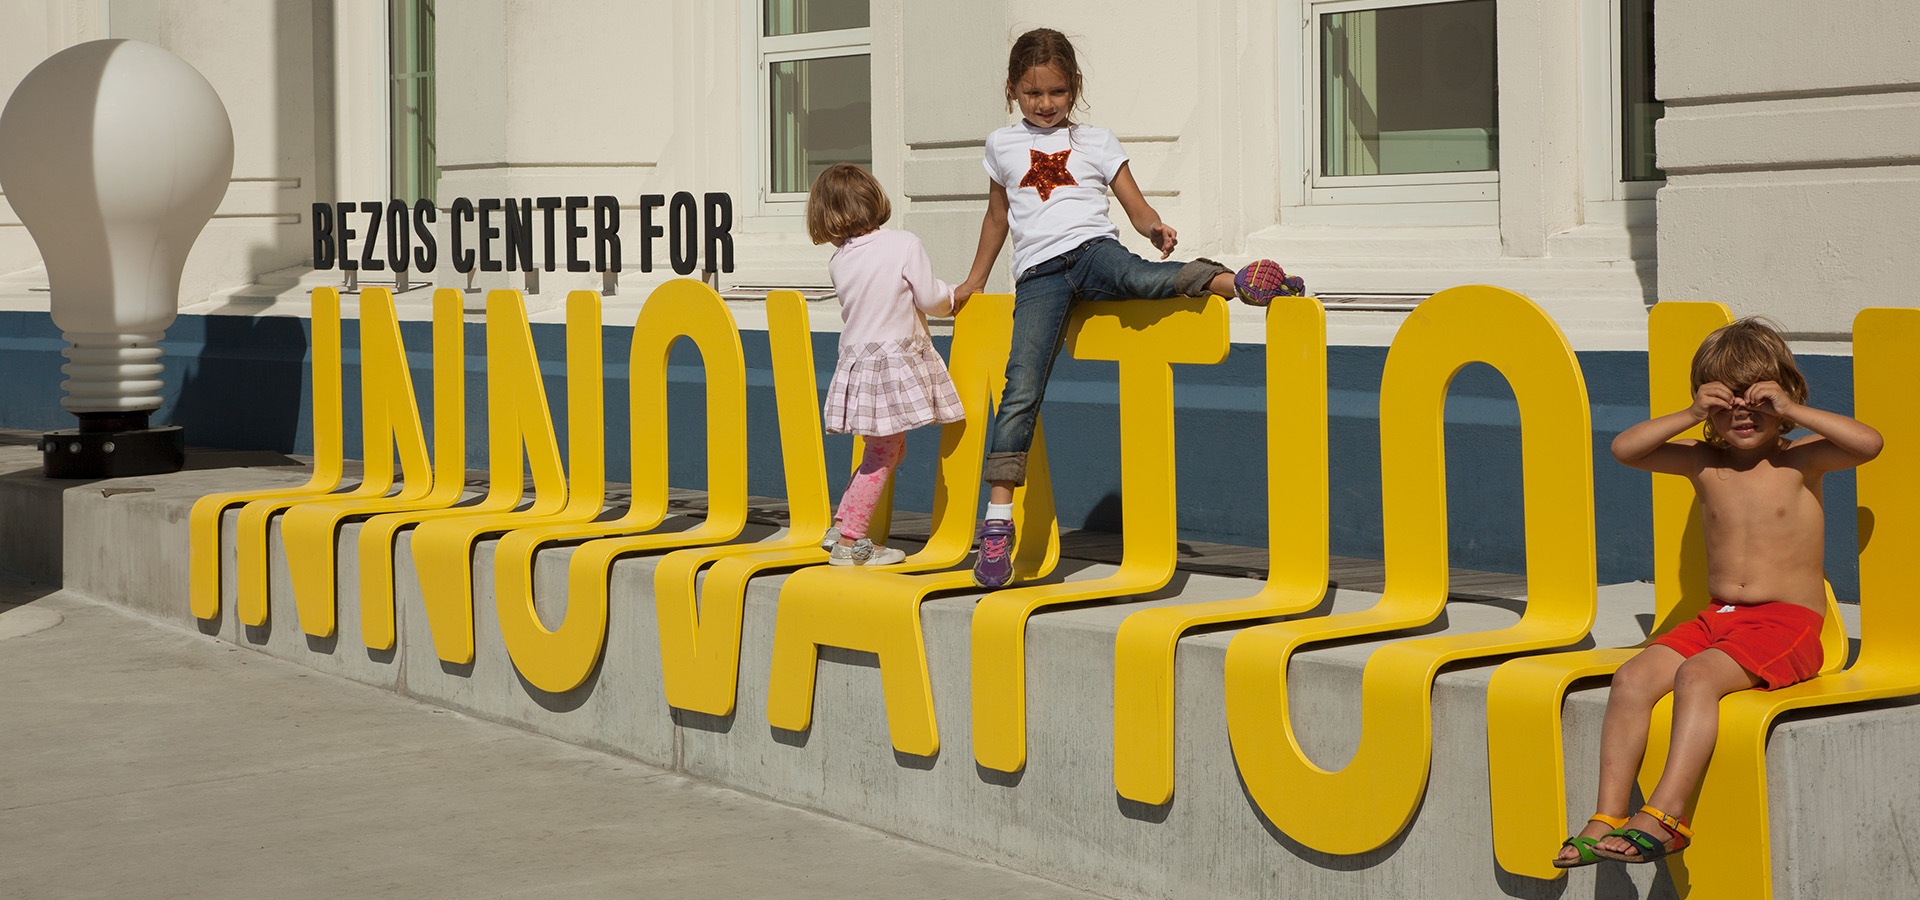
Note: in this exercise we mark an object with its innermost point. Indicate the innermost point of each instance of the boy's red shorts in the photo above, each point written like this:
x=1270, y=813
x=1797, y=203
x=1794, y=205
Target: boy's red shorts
x=1778, y=642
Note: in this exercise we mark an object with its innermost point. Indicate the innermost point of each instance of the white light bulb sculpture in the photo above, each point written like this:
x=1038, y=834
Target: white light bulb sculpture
x=114, y=154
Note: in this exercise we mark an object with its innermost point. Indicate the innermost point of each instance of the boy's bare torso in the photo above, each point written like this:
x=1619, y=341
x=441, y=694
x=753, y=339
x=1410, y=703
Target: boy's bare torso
x=1764, y=527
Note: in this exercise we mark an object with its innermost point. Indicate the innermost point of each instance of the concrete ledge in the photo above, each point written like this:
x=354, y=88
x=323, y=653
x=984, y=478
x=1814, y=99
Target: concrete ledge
x=1843, y=786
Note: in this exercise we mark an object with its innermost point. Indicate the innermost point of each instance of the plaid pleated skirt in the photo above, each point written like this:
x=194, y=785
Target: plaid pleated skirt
x=889, y=387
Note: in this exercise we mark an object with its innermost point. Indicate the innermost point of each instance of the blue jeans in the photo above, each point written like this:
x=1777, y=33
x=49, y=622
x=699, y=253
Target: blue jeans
x=1043, y=298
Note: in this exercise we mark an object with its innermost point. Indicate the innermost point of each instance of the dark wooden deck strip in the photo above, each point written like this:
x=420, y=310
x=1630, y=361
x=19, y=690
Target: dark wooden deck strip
x=1202, y=557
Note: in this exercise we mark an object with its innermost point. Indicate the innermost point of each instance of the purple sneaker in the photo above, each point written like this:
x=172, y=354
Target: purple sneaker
x=1260, y=281
x=993, y=568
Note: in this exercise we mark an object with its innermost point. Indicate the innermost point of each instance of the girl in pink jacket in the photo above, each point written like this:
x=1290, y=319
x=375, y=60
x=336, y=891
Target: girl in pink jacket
x=889, y=379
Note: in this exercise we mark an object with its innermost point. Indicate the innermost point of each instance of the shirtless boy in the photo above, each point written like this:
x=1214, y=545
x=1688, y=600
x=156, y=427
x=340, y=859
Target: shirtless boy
x=1760, y=507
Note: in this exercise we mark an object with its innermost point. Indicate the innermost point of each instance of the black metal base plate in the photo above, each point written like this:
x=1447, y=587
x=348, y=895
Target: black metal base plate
x=73, y=453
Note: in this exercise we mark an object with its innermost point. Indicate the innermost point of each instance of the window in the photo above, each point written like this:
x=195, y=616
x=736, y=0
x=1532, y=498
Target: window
x=416, y=169
x=1620, y=112
x=1638, y=108
x=1407, y=101
x=816, y=101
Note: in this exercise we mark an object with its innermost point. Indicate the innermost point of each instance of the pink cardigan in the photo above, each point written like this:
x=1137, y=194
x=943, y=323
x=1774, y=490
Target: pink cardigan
x=886, y=288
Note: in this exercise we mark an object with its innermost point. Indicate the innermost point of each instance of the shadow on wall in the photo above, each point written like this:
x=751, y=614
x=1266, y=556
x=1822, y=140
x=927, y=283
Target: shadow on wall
x=242, y=382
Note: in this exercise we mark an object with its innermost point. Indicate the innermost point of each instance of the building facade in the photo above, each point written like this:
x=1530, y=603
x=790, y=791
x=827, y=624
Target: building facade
x=1384, y=149
x=1594, y=155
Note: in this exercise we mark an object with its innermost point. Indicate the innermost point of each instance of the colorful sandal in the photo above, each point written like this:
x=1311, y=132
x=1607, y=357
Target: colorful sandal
x=1584, y=845
x=1653, y=849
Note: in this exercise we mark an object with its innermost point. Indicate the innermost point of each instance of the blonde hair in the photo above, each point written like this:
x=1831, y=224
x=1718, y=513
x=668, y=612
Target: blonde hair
x=1743, y=354
x=1044, y=47
x=846, y=202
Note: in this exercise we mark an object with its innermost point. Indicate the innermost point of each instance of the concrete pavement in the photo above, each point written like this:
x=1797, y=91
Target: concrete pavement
x=141, y=760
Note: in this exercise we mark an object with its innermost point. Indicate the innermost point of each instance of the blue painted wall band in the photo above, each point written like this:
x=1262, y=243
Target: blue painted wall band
x=241, y=382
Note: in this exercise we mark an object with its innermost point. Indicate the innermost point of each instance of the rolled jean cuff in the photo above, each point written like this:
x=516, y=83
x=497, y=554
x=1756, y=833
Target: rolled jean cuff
x=1005, y=466
x=1191, y=280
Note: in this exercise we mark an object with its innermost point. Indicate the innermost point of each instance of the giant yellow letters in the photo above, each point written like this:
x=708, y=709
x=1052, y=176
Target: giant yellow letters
x=329, y=448
x=516, y=415
x=1297, y=554
x=1731, y=856
x=1146, y=339
x=878, y=610
x=1359, y=808
x=384, y=427
x=700, y=621
x=1368, y=803
x=1525, y=750
x=390, y=419
x=560, y=659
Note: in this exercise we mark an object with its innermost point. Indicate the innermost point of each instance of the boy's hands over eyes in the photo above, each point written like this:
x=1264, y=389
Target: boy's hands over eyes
x=1769, y=397
x=1711, y=396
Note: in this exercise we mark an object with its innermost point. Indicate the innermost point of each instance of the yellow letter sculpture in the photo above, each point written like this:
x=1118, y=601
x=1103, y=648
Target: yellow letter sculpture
x=700, y=620
x=329, y=448
x=1368, y=803
x=1732, y=857
x=878, y=610
x=1525, y=750
x=517, y=415
x=560, y=659
x=389, y=423
x=1297, y=542
x=1145, y=338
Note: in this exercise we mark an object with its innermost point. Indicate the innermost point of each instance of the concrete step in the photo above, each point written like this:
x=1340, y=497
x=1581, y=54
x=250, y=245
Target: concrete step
x=1059, y=817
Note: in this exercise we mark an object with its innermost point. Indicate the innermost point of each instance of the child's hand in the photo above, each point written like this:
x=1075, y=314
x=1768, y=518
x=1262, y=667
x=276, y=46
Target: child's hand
x=1766, y=396
x=1163, y=237
x=1711, y=396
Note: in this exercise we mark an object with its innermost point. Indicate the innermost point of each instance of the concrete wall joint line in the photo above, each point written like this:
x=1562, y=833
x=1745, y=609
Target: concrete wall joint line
x=1795, y=166
x=534, y=164
x=1676, y=103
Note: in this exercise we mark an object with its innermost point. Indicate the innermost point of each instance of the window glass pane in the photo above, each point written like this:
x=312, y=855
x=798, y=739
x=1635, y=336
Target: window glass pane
x=1638, y=109
x=416, y=170
x=1409, y=89
x=804, y=16
x=822, y=115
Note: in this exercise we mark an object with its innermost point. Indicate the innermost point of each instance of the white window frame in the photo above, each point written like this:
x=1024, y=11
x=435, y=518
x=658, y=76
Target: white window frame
x=1610, y=200
x=1480, y=190
x=756, y=113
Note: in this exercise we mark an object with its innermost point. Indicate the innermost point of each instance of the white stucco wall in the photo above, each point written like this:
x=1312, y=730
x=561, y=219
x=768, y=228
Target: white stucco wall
x=29, y=33
x=1788, y=137
x=1792, y=149
x=264, y=60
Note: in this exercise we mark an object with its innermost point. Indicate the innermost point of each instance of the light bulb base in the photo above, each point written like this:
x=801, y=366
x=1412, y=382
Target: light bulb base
x=113, y=445
x=108, y=422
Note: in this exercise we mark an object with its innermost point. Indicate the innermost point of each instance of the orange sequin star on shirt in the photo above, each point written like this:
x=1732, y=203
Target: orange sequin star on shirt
x=1049, y=171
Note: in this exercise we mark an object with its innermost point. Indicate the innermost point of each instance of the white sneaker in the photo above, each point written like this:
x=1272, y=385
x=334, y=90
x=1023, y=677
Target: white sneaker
x=831, y=539
x=864, y=552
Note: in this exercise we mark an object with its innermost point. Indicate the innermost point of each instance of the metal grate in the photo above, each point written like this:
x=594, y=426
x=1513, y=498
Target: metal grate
x=812, y=293
x=1363, y=302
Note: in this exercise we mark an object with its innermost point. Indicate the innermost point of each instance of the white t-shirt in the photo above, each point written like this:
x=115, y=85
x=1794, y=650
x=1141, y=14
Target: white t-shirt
x=1056, y=181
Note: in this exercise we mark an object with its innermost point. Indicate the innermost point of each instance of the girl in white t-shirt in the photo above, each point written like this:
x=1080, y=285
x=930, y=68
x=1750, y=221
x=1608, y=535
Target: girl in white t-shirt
x=889, y=379
x=1049, y=182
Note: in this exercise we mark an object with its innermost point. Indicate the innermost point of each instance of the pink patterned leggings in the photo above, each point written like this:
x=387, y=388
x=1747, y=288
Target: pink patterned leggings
x=863, y=492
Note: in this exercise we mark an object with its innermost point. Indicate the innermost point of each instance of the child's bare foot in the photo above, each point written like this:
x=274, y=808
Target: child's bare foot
x=1647, y=836
x=1578, y=850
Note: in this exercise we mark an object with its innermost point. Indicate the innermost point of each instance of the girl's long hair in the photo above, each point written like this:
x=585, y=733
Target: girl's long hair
x=1044, y=47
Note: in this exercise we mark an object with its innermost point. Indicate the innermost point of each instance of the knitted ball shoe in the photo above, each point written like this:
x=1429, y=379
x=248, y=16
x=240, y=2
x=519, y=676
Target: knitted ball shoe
x=1258, y=282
